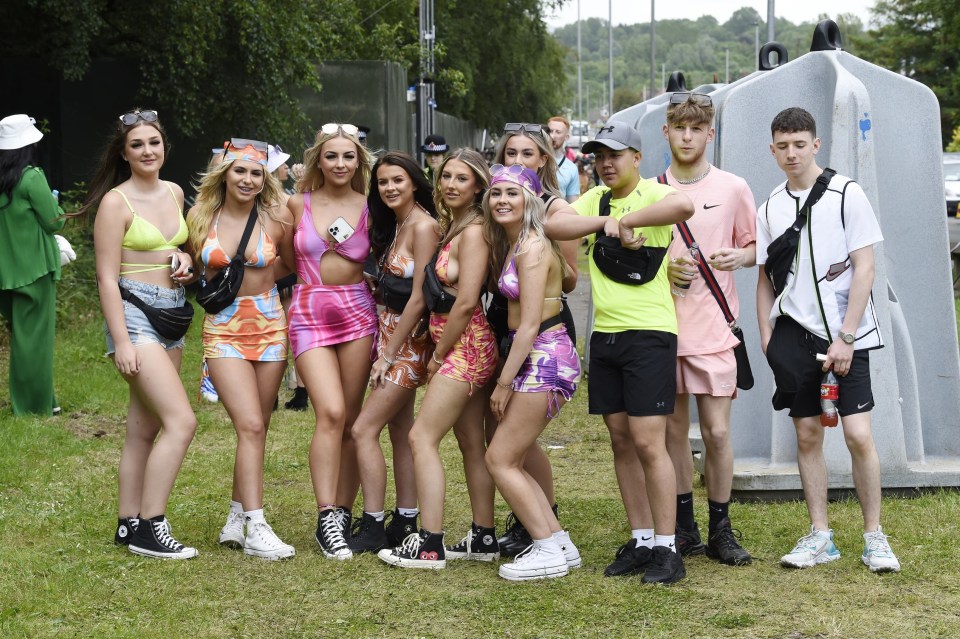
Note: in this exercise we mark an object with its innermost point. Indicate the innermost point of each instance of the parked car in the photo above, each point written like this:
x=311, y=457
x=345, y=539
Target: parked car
x=951, y=181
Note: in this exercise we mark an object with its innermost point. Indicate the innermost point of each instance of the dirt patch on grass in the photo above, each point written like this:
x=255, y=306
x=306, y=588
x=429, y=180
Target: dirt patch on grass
x=90, y=426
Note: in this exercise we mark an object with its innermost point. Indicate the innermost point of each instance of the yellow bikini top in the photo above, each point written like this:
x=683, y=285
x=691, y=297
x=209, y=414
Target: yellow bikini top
x=144, y=236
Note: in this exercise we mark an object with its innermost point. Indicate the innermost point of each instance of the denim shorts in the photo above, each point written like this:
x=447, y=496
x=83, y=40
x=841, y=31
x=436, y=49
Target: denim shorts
x=138, y=326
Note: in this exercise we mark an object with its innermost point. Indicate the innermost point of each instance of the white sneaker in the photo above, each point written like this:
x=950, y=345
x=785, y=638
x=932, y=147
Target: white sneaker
x=541, y=560
x=232, y=532
x=877, y=555
x=570, y=552
x=812, y=549
x=262, y=542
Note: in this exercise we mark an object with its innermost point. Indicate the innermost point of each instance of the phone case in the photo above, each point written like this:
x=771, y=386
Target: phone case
x=340, y=230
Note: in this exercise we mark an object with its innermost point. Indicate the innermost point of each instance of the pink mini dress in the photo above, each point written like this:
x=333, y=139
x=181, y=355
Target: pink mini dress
x=328, y=314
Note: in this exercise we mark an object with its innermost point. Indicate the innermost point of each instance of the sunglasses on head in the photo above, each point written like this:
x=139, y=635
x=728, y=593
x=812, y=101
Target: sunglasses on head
x=700, y=99
x=513, y=127
x=499, y=169
x=242, y=143
x=330, y=128
x=148, y=115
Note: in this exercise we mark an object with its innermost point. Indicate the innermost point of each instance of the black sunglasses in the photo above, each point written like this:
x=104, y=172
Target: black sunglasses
x=700, y=99
x=148, y=115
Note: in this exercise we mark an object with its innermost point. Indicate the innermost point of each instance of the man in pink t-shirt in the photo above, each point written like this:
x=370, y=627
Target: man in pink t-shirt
x=724, y=227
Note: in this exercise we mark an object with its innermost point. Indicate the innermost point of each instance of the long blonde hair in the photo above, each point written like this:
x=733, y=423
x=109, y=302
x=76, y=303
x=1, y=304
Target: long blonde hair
x=534, y=214
x=548, y=172
x=211, y=194
x=481, y=173
x=312, y=178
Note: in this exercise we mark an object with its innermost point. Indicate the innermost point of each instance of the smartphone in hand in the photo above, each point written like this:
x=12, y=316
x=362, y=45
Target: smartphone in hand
x=174, y=262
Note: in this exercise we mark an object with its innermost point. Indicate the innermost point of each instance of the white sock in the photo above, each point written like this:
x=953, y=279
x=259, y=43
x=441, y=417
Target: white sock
x=561, y=537
x=549, y=544
x=236, y=507
x=254, y=516
x=408, y=512
x=377, y=515
x=665, y=540
x=644, y=537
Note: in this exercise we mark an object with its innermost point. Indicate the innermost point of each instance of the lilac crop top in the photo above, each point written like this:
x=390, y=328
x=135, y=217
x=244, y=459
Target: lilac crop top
x=309, y=246
x=509, y=282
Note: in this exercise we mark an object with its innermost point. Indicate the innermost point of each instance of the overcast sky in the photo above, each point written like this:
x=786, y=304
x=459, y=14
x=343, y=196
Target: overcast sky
x=635, y=11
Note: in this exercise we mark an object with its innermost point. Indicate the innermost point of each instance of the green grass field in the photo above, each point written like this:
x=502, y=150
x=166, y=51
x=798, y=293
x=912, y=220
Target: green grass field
x=61, y=575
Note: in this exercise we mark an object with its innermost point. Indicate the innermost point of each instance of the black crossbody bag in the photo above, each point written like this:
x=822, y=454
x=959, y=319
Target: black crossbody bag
x=621, y=264
x=783, y=251
x=437, y=298
x=219, y=292
x=170, y=323
x=744, y=372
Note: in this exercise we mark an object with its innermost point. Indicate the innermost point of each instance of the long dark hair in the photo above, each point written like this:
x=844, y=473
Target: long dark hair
x=12, y=164
x=113, y=169
x=383, y=222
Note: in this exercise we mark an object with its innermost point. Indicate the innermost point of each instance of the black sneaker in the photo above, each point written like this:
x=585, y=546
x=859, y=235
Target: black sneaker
x=298, y=401
x=399, y=528
x=126, y=527
x=153, y=539
x=666, y=567
x=724, y=547
x=345, y=517
x=480, y=544
x=329, y=536
x=688, y=541
x=367, y=535
x=515, y=539
x=418, y=550
x=630, y=560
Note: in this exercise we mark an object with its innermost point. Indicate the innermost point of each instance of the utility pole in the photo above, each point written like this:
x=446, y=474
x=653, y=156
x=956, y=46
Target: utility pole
x=426, y=99
x=771, y=20
x=756, y=44
x=579, y=69
x=610, y=47
x=653, y=49
x=728, y=66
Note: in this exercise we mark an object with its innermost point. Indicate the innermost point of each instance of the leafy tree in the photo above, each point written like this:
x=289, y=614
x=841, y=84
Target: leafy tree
x=919, y=39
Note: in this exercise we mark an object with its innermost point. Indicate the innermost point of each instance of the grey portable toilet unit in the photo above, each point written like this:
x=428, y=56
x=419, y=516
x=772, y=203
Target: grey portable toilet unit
x=883, y=130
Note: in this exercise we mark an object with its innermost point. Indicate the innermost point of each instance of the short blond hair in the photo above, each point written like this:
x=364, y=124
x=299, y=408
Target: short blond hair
x=560, y=118
x=689, y=112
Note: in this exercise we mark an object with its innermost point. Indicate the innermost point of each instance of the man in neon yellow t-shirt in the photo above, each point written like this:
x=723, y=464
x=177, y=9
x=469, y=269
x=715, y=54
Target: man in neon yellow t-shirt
x=633, y=348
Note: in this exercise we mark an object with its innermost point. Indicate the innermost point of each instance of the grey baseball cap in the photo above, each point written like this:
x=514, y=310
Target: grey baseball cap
x=615, y=135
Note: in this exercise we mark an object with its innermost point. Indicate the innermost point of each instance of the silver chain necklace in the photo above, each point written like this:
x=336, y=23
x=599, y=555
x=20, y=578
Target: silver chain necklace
x=696, y=179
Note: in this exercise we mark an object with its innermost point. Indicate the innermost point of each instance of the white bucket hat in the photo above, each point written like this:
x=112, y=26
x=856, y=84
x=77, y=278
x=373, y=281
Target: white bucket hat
x=275, y=158
x=17, y=131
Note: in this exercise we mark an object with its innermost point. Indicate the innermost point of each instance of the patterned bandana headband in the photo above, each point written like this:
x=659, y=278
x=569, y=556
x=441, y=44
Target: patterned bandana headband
x=243, y=149
x=517, y=174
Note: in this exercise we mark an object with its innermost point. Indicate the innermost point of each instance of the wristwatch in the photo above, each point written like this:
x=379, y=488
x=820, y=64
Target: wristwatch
x=848, y=338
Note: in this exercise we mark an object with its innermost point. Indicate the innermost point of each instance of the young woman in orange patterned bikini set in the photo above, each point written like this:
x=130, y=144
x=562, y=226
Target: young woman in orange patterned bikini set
x=245, y=344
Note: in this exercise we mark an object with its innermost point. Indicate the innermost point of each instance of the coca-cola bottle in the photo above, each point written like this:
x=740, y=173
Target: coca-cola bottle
x=829, y=395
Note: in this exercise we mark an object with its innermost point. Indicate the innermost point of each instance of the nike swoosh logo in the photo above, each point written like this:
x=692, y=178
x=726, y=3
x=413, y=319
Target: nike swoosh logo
x=859, y=406
x=711, y=206
x=645, y=538
x=686, y=501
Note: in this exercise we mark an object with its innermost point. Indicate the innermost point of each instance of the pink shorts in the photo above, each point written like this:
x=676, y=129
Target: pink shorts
x=713, y=374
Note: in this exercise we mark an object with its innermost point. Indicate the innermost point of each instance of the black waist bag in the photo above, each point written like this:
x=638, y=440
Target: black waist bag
x=783, y=250
x=170, y=323
x=437, y=298
x=620, y=264
x=394, y=290
x=221, y=290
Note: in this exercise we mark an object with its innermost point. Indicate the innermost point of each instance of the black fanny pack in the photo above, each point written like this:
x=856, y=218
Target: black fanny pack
x=507, y=342
x=394, y=290
x=438, y=299
x=783, y=250
x=170, y=323
x=620, y=264
x=219, y=292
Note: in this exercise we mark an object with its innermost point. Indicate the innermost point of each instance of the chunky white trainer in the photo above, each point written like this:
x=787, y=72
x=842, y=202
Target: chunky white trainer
x=570, y=551
x=814, y=548
x=877, y=555
x=262, y=542
x=542, y=560
x=232, y=532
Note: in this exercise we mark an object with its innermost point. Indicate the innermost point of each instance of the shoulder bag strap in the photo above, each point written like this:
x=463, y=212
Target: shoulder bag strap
x=242, y=247
x=662, y=178
x=708, y=276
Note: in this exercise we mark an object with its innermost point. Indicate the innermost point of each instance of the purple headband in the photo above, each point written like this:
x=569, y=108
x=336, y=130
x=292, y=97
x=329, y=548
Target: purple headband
x=517, y=174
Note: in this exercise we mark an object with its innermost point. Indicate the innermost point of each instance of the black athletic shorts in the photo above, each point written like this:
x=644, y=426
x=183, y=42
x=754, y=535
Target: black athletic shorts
x=633, y=372
x=792, y=355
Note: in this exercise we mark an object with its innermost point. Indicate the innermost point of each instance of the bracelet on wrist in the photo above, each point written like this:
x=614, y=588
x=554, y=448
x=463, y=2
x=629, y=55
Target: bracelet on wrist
x=502, y=385
x=435, y=360
x=389, y=361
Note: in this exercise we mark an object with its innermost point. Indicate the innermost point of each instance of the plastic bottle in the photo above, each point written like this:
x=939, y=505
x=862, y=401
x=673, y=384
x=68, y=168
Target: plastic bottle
x=56, y=195
x=829, y=395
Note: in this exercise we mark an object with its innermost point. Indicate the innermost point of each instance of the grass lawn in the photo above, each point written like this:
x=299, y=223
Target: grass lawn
x=61, y=575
